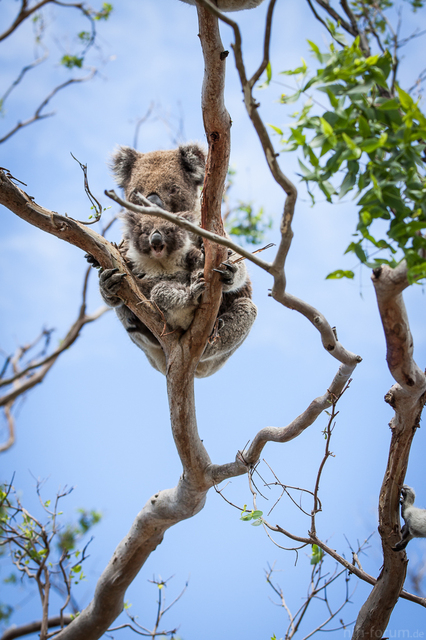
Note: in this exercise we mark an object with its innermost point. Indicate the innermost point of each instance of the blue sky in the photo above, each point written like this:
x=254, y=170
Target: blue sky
x=100, y=421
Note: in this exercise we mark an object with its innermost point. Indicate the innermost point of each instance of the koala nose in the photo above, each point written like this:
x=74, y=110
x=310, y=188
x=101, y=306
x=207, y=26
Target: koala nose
x=156, y=239
x=155, y=199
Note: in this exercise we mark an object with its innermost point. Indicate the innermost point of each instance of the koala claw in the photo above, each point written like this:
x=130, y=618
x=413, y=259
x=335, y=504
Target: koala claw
x=92, y=261
x=227, y=274
x=198, y=287
x=110, y=280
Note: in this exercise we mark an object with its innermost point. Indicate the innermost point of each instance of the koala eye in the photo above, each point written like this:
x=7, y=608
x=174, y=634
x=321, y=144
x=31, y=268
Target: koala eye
x=173, y=190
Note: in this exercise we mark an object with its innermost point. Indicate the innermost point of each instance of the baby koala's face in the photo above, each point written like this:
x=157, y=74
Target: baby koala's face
x=154, y=238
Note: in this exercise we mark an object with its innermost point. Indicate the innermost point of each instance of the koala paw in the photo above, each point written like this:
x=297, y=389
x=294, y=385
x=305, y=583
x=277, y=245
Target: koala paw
x=92, y=261
x=198, y=286
x=227, y=274
x=109, y=284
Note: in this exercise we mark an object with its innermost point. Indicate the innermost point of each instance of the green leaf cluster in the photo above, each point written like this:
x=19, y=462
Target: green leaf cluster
x=72, y=533
x=71, y=62
x=36, y=545
x=247, y=224
x=254, y=515
x=104, y=13
x=317, y=554
x=241, y=220
x=5, y=612
x=368, y=141
x=86, y=38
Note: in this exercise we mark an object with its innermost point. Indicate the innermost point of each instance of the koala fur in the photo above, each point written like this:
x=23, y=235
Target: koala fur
x=414, y=518
x=232, y=5
x=169, y=179
x=168, y=261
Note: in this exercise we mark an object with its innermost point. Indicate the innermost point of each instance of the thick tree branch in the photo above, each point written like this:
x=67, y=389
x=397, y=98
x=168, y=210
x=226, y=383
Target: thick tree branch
x=389, y=285
x=89, y=241
x=247, y=459
x=407, y=397
x=170, y=506
x=329, y=340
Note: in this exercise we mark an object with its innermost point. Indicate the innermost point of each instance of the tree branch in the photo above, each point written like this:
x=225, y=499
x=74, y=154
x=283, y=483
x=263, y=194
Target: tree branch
x=407, y=397
x=89, y=241
x=277, y=268
x=40, y=116
x=33, y=627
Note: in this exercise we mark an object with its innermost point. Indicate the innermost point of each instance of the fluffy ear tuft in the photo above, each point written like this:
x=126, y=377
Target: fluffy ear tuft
x=122, y=164
x=193, y=159
x=130, y=220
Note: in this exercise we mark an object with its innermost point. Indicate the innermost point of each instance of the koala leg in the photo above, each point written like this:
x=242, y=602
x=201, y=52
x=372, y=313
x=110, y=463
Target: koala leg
x=143, y=338
x=109, y=283
x=233, y=327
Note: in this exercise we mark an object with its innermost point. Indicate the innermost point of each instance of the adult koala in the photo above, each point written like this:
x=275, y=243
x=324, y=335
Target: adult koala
x=168, y=261
x=231, y=5
x=169, y=179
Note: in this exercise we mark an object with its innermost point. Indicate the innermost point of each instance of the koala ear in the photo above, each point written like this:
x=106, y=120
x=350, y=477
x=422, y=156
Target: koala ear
x=130, y=221
x=194, y=161
x=122, y=164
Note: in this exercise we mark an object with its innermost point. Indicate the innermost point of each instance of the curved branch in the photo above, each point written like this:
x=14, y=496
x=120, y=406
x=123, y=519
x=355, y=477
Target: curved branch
x=329, y=340
x=24, y=70
x=389, y=285
x=407, y=398
x=40, y=116
x=25, y=12
x=89, y=241
x=11, y=427
x=247, y=459
x=33, y=627
x=266, y=43
x=29, y=382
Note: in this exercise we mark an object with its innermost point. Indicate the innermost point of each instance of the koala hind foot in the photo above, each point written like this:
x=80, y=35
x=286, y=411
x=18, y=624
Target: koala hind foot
x=227, y=274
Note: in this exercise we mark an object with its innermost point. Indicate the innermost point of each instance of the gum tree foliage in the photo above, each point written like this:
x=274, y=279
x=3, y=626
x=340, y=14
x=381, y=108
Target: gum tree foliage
x=369, y=141
x=44, y=551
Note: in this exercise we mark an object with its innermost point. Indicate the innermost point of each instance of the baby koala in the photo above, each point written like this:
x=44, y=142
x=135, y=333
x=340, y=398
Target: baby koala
x=415, y=519
x=169, y=269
